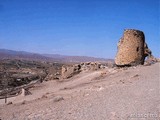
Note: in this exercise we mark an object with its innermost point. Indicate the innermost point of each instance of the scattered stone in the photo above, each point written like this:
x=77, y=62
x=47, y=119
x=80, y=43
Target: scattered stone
x=85, y=94
x=100, y=88
x=44, y=96
x=23, y=102
x=23, y=92
x=47, y=93
x=58, y=98
x=151, y=60
x=9, y=103
x=71, y=70
x=91, y=66
x=69, y=112
x=122, y=81
x=135, y=76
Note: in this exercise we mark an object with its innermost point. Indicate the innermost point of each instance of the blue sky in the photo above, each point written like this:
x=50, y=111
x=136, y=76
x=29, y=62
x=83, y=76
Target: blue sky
x=76, y=27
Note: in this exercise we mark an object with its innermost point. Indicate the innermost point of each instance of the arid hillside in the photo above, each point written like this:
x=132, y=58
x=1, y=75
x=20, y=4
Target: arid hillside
x=127, y=93
x=15, y=73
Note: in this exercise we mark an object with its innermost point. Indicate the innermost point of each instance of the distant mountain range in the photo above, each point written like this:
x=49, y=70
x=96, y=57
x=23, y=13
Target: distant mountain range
x=11, y=54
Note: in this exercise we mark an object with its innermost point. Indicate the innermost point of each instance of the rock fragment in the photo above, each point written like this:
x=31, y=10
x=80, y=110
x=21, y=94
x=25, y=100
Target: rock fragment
x=58, y=98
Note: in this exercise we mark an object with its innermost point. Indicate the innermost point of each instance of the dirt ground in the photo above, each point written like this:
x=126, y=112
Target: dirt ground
x=110, y=94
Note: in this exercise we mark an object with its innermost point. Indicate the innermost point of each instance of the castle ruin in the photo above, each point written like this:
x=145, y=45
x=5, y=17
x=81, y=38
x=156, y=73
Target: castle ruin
x=132, y=49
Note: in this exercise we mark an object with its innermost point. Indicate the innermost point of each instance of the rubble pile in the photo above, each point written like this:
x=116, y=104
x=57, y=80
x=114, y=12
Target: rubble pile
x=71, y=70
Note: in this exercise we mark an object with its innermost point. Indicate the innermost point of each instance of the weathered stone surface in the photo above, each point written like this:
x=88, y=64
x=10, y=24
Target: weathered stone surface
x=23, y=92
x=9, y=103
x=132, y=48
x=147, y=51
x=58, y=98
x=71, y=70
x=90, y=66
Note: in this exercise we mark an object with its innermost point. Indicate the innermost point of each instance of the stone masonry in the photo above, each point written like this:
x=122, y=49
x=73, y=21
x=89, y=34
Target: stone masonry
x=71, y=70
x=131, y=48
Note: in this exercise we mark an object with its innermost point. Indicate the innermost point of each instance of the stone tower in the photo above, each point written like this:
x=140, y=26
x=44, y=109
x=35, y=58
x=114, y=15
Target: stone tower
x=131, y=48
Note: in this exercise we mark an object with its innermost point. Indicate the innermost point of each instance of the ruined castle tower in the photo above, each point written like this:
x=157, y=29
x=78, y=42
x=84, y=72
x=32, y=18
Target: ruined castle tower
x=131, y=48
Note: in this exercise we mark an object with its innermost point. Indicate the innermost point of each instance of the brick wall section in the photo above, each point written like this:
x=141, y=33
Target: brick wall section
x=131, y=48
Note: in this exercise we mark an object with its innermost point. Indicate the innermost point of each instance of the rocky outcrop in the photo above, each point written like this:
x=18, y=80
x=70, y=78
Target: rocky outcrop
x=132, y=49
x=147, y=51
x=90, y=66
x=71, y=70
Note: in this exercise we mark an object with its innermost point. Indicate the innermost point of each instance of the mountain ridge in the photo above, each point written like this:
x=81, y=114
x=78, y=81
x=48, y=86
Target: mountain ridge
x=12, y=54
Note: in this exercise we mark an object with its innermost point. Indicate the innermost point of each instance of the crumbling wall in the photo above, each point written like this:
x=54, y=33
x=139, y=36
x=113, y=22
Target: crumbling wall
x=131, y=48
x=71, y=70
x=90, y=66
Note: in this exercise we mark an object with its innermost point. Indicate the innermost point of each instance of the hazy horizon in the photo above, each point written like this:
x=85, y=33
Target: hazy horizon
x=76, y=27
x=44, y=54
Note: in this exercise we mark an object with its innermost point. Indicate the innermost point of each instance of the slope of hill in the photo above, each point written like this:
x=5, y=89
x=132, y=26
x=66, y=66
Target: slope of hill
x=121, y=94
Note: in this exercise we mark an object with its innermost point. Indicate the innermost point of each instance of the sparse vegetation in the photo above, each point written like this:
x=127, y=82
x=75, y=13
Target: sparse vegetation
x=14, y=73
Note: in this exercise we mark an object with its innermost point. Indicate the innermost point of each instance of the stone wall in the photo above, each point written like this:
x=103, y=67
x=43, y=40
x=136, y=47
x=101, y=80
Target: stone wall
x=71, y=70
x=131, y=48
